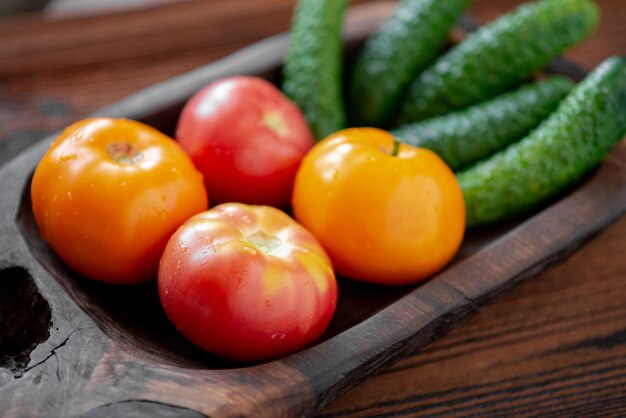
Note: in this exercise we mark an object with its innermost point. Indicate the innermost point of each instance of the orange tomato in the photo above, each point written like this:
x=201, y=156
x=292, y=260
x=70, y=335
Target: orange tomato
x=108, y=194
x=386, y=212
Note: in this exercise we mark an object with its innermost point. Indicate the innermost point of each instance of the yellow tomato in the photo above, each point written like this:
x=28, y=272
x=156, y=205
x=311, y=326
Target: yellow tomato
x=386, y=212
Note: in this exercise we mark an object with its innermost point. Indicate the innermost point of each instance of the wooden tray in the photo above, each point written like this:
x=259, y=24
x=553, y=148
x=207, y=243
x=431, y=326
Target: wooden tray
x=71, y=347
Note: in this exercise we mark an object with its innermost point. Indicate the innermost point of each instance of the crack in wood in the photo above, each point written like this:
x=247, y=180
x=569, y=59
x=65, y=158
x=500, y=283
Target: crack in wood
x=53, y=353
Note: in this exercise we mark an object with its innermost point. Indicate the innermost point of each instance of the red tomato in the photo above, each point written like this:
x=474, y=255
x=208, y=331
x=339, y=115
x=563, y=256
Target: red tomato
x=246, y=138
x=109, y=193
x=247, y=283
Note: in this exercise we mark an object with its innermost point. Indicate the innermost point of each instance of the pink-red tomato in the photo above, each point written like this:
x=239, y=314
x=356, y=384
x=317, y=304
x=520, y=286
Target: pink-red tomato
x=247, y=283
x=246, y=138
x=109, y=193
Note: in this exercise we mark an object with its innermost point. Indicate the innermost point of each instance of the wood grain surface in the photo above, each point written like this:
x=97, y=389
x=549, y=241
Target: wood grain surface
x=555, y=346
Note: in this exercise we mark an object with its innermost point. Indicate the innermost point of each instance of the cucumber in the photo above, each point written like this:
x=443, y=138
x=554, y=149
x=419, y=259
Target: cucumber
x=404, y=45
x=470, y=135
x=313, y=64
x=499, y=56
x=566, y=146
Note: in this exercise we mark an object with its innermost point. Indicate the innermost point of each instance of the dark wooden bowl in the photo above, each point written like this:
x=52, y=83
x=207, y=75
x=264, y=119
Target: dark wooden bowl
x=71, y=347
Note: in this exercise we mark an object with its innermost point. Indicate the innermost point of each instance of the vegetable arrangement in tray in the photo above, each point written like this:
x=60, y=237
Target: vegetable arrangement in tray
x=369, y=170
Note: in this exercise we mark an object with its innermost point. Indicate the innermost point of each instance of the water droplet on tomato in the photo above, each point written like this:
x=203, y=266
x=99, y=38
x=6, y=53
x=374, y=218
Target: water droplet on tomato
x=123, y=184
x=163, y=197
x=182, y=246
x=307, y=284
x=268, y=303
x=249, y=250
x=67, y=156
x=69, y=195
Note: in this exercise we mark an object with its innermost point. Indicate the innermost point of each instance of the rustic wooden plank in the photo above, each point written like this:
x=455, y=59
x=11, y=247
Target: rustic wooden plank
x=74, y=8
x=158, y=31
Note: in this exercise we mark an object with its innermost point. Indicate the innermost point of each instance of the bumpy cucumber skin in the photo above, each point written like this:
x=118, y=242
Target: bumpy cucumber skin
x=499, y=56
x=404, y=45
x=570, y=143
x=465, y=137
x=313, y=65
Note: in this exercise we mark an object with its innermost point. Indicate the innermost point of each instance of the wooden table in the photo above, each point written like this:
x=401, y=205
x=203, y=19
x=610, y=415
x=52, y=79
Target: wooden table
x=556, y=345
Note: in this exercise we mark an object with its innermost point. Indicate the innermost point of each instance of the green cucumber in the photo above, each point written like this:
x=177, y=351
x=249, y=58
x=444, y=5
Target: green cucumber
x=465, y=137
x=566, y=146
x=499, y=56
x=404, y=45
x=313, y=65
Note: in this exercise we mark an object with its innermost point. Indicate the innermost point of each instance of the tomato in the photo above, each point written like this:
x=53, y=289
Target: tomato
x=247, y=283
x=246, y=138
x=386, y=212
x=108, y=194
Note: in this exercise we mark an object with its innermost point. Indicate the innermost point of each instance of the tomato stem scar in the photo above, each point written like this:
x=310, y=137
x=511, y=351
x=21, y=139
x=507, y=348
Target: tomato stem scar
x=124, y=153
x=274, y=121
x=264, y=242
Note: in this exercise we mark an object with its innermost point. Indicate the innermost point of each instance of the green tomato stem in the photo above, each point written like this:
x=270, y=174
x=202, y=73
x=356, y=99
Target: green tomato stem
x=396, y=147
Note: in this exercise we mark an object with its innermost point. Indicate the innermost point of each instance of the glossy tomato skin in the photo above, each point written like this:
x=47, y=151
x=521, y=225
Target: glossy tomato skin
x=382, y=218
x=246, y=138
x=247, y=283
x=108, y=194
